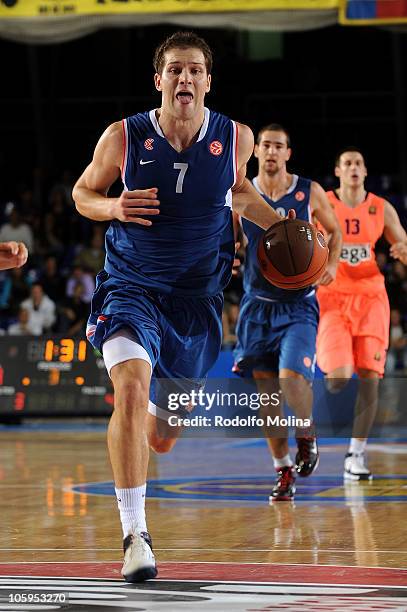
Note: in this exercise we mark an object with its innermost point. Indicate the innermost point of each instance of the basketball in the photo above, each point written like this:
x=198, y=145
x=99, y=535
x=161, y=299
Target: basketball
x=292, y=254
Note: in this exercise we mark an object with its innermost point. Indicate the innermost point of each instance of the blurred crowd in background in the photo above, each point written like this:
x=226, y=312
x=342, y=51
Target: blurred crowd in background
x=52, y=292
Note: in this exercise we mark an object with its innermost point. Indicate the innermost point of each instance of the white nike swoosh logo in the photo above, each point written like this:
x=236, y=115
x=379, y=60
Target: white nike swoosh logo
x=151, y=161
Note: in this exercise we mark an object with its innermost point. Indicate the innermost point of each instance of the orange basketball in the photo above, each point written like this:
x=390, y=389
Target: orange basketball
x=292, y=254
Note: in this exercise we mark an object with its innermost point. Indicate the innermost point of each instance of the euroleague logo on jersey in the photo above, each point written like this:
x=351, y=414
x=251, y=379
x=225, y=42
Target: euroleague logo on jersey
x=300, y=196
x=216, y=147
x=148, y=144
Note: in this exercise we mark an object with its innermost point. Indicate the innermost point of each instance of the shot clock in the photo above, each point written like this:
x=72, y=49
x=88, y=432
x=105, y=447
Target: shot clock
x=52, y=376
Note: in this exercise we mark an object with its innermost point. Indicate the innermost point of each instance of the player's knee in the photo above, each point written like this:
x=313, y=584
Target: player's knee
x=131, y=395
x=365, y=374
x=336, y=385
x=293, y=383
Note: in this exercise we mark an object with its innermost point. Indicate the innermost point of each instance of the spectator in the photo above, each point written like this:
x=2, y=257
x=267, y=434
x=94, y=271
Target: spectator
x=5, y=290
x=78, y=275
x=24, y=327
x=397, y=353
x=37, y=226
x=52, y=281
x=396, y=285
x=92, y=258
x=16, y=230
x=64, y=187
x=26, y=204
x=41, y=308
x=382, y=262
x=56, y=232
x=19, y=290
x=73, y=312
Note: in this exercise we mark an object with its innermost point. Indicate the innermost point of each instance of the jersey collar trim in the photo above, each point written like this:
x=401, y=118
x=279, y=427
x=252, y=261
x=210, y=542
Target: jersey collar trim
x=291, y=188
x=204, y=126
x=153, y=119
x=293, y=184
x=367, y=196
x=202, y=131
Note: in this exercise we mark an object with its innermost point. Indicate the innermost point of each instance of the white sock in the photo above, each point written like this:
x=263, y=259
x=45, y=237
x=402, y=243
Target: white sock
x=282, y=461
x=357, y=447
x=131, y=503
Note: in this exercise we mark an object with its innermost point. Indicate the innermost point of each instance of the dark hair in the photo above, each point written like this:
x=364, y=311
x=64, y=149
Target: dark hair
x=182, y=40
x=349, y=149
x=274, y=127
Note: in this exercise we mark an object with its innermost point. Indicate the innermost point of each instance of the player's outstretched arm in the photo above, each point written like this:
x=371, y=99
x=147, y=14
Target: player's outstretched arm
x=90, y=190
x=394, y=233
x=246, y=201
x=12, y=255
x=322, y=211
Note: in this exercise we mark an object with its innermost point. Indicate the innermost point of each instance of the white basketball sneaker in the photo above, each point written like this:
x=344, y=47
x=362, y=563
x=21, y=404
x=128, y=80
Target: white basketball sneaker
x=355, y=468
x=139, y=561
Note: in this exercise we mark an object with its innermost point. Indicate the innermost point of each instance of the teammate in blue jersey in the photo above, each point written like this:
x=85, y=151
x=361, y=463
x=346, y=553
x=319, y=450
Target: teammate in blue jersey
x=157, y=306
x=277, y=328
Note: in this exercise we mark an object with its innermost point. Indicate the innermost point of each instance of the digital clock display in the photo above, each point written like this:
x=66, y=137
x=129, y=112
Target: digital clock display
x=53, y=375
x=64, y=350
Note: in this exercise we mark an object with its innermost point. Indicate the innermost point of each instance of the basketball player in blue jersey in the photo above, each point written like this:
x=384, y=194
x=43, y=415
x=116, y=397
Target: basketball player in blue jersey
x=12, y=255
x=157, y=307
x=277, y=328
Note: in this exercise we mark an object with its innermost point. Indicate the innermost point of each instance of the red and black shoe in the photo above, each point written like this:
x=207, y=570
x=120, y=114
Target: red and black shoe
x=307, y=457
x=284, y=489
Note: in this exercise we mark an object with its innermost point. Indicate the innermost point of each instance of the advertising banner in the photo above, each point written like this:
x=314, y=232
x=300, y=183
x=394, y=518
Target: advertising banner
x=44, y=8
x=371, y=12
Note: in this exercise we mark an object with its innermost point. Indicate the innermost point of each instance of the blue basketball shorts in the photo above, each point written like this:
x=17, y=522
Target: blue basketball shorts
x=180, y=336
x=276, y=335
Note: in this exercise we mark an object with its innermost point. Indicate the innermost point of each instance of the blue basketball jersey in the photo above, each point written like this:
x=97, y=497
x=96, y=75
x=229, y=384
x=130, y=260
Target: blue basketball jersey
x=189, y=248
x=255, y=285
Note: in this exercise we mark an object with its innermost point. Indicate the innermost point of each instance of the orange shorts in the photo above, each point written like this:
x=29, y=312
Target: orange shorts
x=353, y=330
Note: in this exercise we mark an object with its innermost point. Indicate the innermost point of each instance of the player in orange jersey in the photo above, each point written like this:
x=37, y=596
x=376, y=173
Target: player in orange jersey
x=354, y=321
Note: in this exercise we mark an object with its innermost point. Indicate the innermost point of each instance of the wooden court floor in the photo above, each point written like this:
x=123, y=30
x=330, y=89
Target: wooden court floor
x=207, y=504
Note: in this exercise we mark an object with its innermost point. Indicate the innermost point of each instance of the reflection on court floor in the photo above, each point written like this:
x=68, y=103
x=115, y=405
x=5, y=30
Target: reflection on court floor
x=219, y=544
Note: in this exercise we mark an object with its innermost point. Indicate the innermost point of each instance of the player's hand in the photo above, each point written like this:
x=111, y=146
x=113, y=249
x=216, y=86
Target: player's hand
x=291, y=214
x=398, y=250
x=236, y=262
x=12, y=255
x=132, y=206
x=328, y=276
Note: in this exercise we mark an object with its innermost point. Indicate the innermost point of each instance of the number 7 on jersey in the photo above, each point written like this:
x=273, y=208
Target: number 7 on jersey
x=182, y=171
